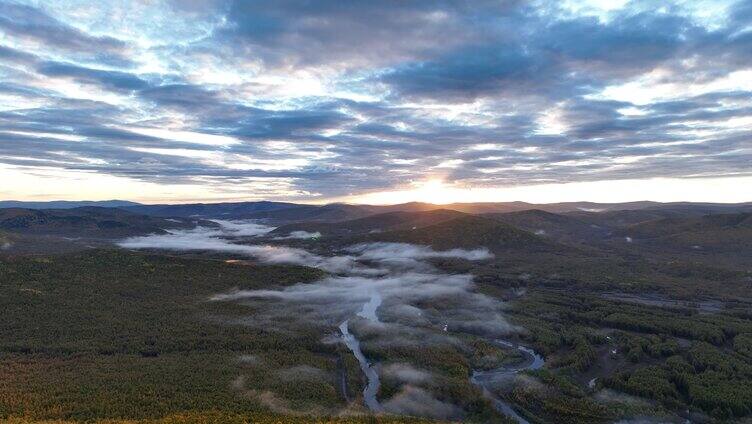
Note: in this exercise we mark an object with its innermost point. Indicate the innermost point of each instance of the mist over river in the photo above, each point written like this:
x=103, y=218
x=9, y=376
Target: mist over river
x=391, y=291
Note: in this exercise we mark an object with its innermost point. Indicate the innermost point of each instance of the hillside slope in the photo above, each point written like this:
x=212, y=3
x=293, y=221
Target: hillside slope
x=712, y=233
x=470, y=232
x=84, y=222
x=390, y=221
x=554, y=226
x=210, y=210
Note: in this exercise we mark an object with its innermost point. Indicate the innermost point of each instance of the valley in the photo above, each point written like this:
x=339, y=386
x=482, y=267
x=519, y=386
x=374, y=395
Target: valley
x=425, y=314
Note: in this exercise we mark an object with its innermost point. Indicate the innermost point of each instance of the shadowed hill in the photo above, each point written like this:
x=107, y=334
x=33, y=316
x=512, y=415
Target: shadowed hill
x=469, y=232
x=210, y=210
x=554, y=226
x=65, y=204
x=405, y=207
x=698, y=209
x=390, y=221
x=286, y=213
x=506, y=207
x=327, y=213
x=277, y=212
x=623, y=218
x=84, y=222
x=710, y=233
x=673, y=226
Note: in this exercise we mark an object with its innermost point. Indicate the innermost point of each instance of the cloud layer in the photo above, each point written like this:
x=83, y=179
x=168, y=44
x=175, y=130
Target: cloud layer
x=296, y=99
x=386, y=294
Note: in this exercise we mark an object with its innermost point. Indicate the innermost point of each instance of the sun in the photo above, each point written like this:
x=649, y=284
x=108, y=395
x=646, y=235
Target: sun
x=441, y=192
x=430, y=191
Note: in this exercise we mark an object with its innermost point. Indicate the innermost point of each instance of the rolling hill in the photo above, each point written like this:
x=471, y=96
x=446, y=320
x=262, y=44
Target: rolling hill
x=389, y=221
x=622, y=218
x=65, y=204
x=554, y=226
x=469, y=232
x=299, y=213
x=209, y=210
x=728, y=233
x=284, y=212
x=95, y=222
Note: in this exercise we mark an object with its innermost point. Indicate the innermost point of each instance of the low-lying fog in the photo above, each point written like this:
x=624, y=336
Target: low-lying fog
x=384, y=293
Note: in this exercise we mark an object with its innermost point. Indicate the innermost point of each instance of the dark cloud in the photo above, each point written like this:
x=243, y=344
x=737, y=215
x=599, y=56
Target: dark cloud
x=481, y=93
x=187, y=96
x=113, y=80
x=551, y=59
x=625, y=44
x=12, y=55
x=32, y=23
x=289, y=124
x=290, y=32
x=467, y=73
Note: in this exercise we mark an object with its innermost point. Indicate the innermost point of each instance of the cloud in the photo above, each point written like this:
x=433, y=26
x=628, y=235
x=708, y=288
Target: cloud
x=32, y=23
x=243, y=227
x=418, y=402
x=394, y=272
x=114, y=80
x=465, y=74
x=9, y=54
x=406, y=373
x=300, y=235
x=185, y=96
x=325, y=99
x=378, y=294
x=294, y=33
x=211, y=239
x=392, y=251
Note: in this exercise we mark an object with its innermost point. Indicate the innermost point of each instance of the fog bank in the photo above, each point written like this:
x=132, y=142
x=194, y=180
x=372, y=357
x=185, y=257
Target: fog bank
x=375, y=294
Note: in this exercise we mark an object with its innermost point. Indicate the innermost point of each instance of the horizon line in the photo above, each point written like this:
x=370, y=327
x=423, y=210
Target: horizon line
x=197, y=202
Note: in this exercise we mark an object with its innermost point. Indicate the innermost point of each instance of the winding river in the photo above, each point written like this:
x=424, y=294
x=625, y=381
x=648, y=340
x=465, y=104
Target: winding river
x=483, y=379
x=486, y=379
x=372, y=387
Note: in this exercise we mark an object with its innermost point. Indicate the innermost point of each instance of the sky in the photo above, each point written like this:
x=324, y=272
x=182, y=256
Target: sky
x=376, y=102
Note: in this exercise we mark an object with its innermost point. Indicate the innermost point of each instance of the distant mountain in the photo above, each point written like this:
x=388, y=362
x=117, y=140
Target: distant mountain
x=285, y=212
x=623, y=218
x=405, y=207
x=506, y=207
x=672, y=226
x=300, y=213
x=569, y=207
x=278, y=212
x=389, y=221
x=236, y=210
x=469, y=232
x=275, y=212
x=697, y=209
x=554, y=226
x=64, y=204
x=94, y=222
x=710, y=233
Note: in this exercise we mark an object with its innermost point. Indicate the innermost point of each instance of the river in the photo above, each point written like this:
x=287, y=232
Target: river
x=486, y=379
x=482, y=379
x=372, y=386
